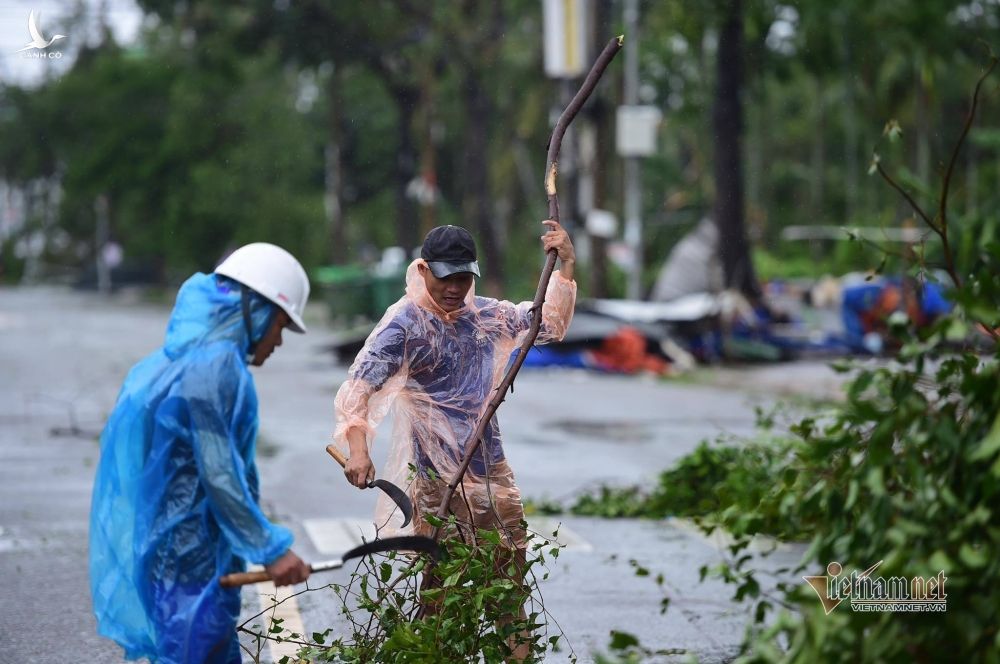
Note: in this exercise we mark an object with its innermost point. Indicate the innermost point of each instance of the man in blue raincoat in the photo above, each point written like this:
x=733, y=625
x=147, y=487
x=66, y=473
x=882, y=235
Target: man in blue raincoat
x=175, y=502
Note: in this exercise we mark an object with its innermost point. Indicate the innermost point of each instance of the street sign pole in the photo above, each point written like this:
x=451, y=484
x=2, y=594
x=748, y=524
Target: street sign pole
x=633, y=190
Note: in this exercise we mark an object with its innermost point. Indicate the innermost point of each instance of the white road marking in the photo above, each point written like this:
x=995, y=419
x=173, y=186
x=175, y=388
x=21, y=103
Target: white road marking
x=287, y=611
x=333, y=537
x=721, y=540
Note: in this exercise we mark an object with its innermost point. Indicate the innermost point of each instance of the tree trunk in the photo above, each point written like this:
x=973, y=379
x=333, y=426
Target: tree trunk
x=923, y=102
x=476, y=192
x=818, y=174
x=405, y=168
x=333, y=179
x=757, y=115
x=428, y=154
x=727, y=121
x=849, y=113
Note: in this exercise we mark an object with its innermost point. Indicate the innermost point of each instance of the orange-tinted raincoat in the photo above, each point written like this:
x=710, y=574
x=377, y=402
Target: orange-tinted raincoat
x=437, y=371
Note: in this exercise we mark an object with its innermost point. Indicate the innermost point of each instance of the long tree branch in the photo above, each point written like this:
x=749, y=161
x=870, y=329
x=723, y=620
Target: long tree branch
x=552, y=168
x=909, y=199
x=940, y=224
x=943, y=208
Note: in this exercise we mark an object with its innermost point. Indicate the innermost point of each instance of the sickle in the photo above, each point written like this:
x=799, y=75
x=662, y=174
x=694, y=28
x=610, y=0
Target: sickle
x=407, y=543
x=398, y=495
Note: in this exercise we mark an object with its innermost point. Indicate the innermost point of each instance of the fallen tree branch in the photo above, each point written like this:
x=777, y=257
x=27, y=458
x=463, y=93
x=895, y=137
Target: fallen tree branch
x=551, y=170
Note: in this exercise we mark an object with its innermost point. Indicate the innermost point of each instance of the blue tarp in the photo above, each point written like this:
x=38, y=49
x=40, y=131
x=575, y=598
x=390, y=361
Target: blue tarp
x=862, y=301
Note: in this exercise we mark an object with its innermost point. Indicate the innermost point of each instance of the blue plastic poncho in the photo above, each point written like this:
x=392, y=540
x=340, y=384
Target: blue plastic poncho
x=175, y=498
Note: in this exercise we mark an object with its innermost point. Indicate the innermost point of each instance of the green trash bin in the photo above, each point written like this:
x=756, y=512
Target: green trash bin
x=386, y=289
x=347, y=290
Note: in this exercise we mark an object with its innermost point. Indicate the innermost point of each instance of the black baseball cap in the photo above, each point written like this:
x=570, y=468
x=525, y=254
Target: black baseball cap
x=450, y=250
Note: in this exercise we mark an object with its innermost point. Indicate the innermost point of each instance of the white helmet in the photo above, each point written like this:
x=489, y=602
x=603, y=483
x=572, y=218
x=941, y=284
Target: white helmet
x=272, y=272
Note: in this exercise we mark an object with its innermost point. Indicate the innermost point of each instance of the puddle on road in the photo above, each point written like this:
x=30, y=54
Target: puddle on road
x=621, y=431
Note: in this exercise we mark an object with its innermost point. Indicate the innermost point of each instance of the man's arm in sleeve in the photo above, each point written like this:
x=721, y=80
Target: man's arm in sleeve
x=560, y=296
x=557, y=311
x=213, y=393
x=377, y=363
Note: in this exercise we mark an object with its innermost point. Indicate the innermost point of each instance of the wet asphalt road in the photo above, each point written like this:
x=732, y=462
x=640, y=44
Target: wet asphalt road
x=63, y=356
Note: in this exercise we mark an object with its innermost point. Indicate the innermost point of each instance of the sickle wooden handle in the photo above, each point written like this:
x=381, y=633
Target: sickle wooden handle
x=243, y=578
x=332, y=450
x=338, y=456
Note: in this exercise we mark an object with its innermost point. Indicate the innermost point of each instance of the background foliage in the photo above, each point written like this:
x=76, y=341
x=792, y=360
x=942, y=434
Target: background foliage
x=905, y=471
x=306, y=124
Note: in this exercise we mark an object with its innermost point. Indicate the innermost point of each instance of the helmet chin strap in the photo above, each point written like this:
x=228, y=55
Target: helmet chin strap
x=245, y=305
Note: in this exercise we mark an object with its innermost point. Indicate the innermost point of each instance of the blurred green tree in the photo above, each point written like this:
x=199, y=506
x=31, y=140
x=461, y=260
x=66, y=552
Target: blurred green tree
x=343, y=128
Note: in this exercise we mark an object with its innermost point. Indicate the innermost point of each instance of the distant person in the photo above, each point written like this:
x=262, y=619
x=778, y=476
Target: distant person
x=175, y=502
x=867, y=306
x=435, y=359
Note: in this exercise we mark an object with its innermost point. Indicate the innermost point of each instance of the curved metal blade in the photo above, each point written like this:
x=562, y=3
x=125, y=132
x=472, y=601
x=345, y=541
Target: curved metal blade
x=407, y=543
x=398, y=497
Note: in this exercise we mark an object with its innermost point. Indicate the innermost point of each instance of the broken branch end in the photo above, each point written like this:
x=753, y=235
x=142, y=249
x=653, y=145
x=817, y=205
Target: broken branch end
x=550, y=181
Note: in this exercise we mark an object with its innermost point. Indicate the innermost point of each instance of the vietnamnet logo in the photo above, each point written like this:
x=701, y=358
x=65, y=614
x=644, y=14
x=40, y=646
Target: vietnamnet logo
x=868, y=593
x=38, y=46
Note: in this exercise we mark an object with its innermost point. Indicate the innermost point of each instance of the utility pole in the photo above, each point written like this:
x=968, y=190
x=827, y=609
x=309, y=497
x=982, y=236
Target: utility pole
x=569, y=165
x=566, y=45
x=633, y=191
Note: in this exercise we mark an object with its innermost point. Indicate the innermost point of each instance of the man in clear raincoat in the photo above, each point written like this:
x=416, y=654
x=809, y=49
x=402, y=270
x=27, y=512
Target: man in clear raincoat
x=175, y=501
x=435, y=358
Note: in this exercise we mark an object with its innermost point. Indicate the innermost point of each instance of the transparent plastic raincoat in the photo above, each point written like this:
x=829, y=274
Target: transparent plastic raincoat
x=436, y=371
x=175, y=497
